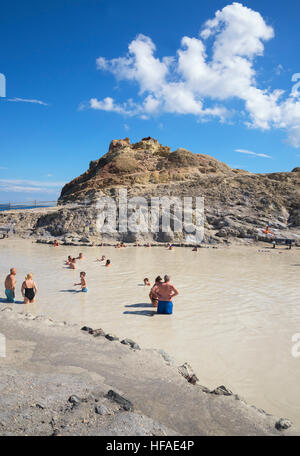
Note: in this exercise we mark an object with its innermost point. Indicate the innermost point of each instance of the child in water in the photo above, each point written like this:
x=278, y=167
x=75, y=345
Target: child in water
x=147, y=282
x=82, y=282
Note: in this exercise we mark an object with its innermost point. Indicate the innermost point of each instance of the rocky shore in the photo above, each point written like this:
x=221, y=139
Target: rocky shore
x=60, y=379
x=238, y=205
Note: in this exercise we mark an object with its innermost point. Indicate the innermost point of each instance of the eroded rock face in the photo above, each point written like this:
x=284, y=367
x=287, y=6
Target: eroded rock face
x=238, y=204
x=143, y=165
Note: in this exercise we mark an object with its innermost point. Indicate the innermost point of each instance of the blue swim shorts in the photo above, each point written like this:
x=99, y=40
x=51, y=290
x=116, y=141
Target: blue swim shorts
x=85, y=290
x=9, y=296
x=165, y=307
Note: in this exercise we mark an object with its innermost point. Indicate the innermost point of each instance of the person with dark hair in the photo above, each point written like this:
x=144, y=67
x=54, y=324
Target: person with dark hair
x=72, y=264
x=108, y=263
x=69, y=260
x=103, y=258
x=82, y=282
x=152, y=295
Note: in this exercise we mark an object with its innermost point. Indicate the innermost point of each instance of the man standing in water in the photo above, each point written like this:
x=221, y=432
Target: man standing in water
x=10, y=285
x=165, y=291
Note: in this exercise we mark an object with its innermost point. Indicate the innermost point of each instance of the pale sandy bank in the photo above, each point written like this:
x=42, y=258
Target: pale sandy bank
x=48, y=362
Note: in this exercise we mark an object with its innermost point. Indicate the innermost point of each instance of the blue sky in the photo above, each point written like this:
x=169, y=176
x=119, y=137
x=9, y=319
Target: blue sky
x=82, y=72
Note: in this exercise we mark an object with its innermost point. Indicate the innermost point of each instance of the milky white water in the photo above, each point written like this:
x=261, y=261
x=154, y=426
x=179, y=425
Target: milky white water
x=233, y=320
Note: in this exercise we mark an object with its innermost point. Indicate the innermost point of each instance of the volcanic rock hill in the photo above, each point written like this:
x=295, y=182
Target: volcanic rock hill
x=238, y=204
x=146, y=167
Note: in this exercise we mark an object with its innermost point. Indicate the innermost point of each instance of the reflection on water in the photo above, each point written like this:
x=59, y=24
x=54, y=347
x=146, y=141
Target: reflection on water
x=234, y=318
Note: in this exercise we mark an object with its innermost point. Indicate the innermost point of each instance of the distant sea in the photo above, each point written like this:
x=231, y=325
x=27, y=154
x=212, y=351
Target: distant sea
x=7, y=207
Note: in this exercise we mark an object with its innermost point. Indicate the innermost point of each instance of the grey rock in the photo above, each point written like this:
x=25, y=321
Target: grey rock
x=40, y=405
x=87, y=329
x=102, y=410
x=187, y=372
x=125, y=403
x=131, y=343
x=111, y=337
x=74, y=400
x=84, y=239
x=282, y=424
x=222, y=391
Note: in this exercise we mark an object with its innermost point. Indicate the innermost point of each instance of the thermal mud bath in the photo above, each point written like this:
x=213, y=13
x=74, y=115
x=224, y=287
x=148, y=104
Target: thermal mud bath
x=233, y=321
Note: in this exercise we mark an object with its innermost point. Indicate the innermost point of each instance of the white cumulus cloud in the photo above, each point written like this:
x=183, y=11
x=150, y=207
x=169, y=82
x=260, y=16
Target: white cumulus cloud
x=206, y=73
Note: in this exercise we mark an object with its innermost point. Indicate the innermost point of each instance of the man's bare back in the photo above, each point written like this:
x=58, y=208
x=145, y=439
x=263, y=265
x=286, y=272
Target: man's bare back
x=165, y=291
x=10, y=282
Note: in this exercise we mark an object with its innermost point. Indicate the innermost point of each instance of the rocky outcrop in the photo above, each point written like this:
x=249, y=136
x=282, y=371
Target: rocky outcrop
x=238, y=204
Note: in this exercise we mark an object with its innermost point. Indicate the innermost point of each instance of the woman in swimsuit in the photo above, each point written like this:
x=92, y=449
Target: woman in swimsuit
x=29, y=289
x=152, y=296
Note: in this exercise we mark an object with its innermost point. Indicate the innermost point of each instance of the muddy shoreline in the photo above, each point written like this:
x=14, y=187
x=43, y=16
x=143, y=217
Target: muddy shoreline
x=56, y=378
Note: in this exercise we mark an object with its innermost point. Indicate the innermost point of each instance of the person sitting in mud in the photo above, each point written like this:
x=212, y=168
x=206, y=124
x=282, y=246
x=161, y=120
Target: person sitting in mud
x=165, y=292
x=69, y=260
x=10, y=285
x=268, y=230
x=82, y=282
x=73, y=264
x=103, y=258
x=171, y=247
x=80, y=257
x=147, y=282
x=55, y=243
x=29, y=289
x=118, y=246
x=108, y=264
x=153, y=297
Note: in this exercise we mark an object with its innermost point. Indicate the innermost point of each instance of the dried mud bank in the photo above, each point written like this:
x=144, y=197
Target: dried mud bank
x=60, y=379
